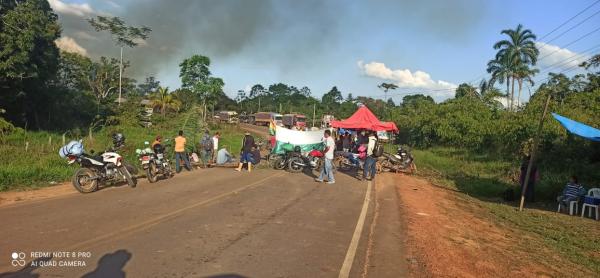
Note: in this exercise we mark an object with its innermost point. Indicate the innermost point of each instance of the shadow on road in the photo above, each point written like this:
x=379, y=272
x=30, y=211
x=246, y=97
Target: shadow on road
x=111, y=265
x=228, y=275
x=27, y=271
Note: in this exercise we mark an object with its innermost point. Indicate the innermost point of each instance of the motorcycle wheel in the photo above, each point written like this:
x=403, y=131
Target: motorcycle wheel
x=279, y=163
x=131, y=181
x=151, y=173
x=132, y=169
x=83, y=182
x=295, y=164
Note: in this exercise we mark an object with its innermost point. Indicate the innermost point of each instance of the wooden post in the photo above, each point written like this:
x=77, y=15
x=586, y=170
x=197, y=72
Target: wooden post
x=50, y=142
x=26, y=146
x=532, y=154
x=63, y=138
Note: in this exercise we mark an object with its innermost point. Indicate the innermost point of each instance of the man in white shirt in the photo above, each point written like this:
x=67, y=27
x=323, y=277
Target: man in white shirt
x=215, y=139
x=328, y=159
x=370, y=161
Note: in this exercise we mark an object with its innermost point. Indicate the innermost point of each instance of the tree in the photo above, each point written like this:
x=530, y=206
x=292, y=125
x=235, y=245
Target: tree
x=466, y=90
x=349, y=97
x=412, y=100
x=332, y=99
x=164, y=101
x=517, y=51
x=193, y=71
x=103, y=78
x=122, y=34
x=501, y=69
x=149, y=86
x=524, y=74
x=29, y=57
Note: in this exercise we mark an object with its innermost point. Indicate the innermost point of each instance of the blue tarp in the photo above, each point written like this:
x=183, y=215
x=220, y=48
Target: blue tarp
x=578, y=128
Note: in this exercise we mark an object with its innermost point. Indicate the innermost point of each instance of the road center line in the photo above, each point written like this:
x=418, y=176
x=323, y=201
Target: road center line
x=157, y=220
x=345, y=270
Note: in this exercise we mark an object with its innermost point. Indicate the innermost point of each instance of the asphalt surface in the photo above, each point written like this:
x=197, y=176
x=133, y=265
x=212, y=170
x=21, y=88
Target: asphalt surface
x=205, y=223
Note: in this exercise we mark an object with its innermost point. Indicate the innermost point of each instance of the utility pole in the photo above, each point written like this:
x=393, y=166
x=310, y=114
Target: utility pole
x=532, y=153
x=258, y=103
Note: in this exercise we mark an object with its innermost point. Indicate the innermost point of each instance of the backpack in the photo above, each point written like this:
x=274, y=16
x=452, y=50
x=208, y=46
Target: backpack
x=378, y=149
x=207, y=143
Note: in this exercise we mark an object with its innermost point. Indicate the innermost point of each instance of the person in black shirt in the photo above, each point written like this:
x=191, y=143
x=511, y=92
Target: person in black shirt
x=247, y=145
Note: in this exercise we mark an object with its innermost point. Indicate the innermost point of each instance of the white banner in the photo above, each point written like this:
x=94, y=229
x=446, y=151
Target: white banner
x=296, y=137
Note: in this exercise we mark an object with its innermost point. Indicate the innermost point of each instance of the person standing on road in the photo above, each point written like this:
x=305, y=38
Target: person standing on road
x=215, y=139
x=206, y=148
x=327, y=169
x=180, y=153
x=346, y=142
x=247, y=145
x=370, y=161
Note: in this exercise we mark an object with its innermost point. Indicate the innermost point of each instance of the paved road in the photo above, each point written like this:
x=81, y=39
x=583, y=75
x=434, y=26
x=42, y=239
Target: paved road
x=208, y=222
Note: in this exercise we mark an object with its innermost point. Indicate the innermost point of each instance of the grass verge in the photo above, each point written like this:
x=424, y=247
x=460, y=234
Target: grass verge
x=485, y=177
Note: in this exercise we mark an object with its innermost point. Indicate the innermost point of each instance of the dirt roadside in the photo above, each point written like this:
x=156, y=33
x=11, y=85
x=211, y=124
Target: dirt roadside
x=450, y=235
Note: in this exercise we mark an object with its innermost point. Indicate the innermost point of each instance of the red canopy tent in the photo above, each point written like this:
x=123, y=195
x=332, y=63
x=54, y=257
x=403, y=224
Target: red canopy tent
x=363, y=118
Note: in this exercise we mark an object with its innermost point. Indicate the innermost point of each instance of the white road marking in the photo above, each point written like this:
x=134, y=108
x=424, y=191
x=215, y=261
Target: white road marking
x=345, y=270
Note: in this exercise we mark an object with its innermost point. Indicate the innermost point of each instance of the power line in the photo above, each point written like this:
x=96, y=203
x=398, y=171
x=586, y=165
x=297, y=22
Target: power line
x=576, y=40
x=569, y=20
x=573, y=27
x=570, y=59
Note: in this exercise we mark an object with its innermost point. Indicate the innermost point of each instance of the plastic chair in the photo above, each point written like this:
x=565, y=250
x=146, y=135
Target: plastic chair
x=572, y=205
x=595, y=193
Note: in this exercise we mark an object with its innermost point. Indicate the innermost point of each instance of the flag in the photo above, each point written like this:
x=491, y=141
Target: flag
x=287, y=139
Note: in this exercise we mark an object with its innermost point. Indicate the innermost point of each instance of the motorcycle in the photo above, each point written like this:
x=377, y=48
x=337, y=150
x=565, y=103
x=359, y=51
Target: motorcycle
x=401, y=161
x=155, y=163
x=100, y=169
x=312, y=160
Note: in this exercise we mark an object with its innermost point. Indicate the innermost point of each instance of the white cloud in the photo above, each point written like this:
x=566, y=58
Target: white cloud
x=71, y=8
x=70, y=45
x=559, y=57
x=406, y=78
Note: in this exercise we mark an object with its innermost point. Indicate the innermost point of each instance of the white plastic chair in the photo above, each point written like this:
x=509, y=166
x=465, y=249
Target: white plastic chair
x=594, y=192
x=572, y=205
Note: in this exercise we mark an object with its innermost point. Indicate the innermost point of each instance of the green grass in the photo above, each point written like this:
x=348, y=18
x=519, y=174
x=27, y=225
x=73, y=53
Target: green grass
x=485, y=177
x=41, y=165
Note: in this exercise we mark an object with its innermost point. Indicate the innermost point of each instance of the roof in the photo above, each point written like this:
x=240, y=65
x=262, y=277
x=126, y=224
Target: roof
x=363, y=118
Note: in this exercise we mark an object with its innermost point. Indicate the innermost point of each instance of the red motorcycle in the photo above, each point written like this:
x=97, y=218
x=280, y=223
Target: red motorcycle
x=312, y=160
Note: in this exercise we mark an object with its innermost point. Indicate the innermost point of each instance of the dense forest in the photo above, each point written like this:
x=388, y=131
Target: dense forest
x=44, y=88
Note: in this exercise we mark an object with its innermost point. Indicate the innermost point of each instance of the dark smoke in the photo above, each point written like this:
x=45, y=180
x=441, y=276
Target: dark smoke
x=280, y=34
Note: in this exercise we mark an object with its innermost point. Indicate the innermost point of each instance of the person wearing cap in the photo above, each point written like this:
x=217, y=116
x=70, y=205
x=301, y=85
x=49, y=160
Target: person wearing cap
x=247, y=145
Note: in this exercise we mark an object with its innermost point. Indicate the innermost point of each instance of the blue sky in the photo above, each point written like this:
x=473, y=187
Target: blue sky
x=426, y=46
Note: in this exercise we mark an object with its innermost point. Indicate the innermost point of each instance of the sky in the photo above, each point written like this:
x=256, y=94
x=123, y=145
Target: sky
x=423, y=46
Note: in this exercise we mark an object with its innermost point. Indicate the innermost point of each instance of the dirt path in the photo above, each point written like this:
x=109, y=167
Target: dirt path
x=451, y=235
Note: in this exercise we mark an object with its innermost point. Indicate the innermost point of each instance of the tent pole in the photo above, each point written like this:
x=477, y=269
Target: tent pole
x=532, y=154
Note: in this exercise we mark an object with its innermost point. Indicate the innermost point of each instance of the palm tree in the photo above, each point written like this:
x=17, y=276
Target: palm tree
x=501, y=70
x=524, y=73
x=164, y=101
x=519, y=49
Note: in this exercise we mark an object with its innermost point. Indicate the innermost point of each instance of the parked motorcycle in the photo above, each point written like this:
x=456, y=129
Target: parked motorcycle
x=401, y=161
x=312, y=160
x=155, y=163
x=98, y=169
